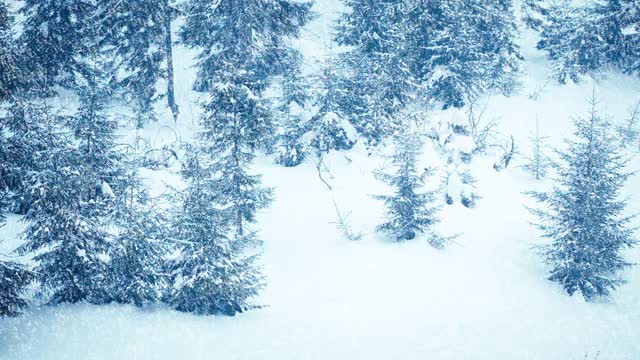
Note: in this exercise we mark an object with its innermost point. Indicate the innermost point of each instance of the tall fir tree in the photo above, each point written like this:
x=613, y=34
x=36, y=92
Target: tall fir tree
x=55, y=38
x=8, y=54
x=583, y=216
x=410, y=210
x=212, y=275
x=587, y=39
x=10, y=159
x=72, y=198
x=242, y=49
x=379, y=78
x=293, y=109
x=138, y=35
x=460, y=49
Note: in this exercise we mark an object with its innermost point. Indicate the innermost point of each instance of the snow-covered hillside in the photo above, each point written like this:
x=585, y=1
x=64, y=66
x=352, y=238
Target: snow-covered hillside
x=485, y=296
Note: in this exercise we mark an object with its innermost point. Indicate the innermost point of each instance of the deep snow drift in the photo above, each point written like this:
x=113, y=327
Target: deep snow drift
x=484, y=297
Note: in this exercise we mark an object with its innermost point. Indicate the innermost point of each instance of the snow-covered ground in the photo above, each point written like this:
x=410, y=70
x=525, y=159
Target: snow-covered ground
x=484, y=297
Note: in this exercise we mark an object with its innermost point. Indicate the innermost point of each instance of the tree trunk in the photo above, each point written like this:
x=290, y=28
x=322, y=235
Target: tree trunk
x=168, y=44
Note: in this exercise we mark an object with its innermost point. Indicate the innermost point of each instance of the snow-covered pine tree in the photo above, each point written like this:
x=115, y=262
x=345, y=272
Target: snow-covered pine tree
x=629, y=11
x=64, y=227
x=8, y=82
x=55, y=41
x=586, y=39
x=137, y=34
x=376, y=72
x=243, y=48
x=212, y=275
x=136, y=273
x=32, y=129
x=72, y=198
x=534, y=13
x=574, y=42
x=462, y=48
x=629, y=133
x=455, y=141
x=292, y=115
x=8, y=61
x=14, y=277
x=329, y=127
x=410, y=210
x=538, y=164
x=582, y=215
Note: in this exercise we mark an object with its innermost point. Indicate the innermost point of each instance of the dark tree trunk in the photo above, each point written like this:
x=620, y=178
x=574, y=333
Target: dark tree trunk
x=168, y=44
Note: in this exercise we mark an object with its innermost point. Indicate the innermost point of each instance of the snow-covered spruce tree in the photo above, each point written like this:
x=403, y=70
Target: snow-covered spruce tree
x=72, y=197
x=55, y=41
x=583, y=214
x=377, y=74
x=8, y=81
x=455, y=142
x=462, y=48
x=292, y=117
x=212, y=275
x=410, y=211
x=136, y=273
x=137, y=34
x=629, y=133
x=33, y=130
x=64, y=229
x=243, y=48
x=574, y=42
x=534, y=13
x=585, y=40
x=329, y=127
x=14, y=277
x=538, y=163
x=8, y=61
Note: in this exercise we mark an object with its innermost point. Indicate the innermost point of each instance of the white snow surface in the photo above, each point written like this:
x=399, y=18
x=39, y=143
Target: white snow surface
x=484, y=297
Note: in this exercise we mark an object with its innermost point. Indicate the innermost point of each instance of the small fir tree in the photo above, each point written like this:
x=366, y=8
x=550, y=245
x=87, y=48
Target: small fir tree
x=212, y=275
x=136, y=273
x=410, y=211
x=629, y=133
x=583, y=215
x=538, y=164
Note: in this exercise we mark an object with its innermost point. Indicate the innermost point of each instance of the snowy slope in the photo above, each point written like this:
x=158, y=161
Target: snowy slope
x=484, y=297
